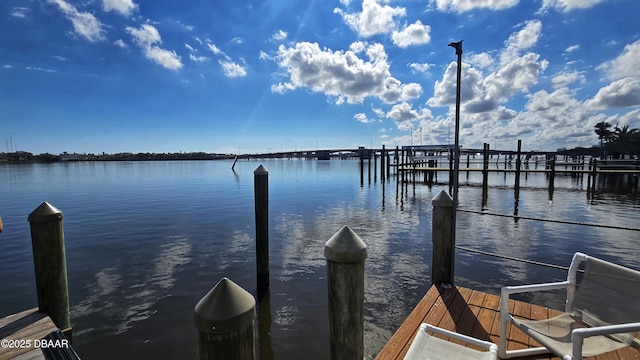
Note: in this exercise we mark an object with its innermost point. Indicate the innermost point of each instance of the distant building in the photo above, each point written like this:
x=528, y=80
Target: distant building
x=69, y=157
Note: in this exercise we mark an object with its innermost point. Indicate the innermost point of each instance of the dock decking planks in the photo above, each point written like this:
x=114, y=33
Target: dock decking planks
x=475, y=313
x=26, y=325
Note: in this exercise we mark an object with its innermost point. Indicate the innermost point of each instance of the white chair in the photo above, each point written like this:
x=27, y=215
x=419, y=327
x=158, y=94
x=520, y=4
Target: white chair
x=428, y=347
x=602, y=312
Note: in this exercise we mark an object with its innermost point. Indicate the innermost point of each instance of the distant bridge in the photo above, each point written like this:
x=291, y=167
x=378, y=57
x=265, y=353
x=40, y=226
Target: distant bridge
x=365, y=153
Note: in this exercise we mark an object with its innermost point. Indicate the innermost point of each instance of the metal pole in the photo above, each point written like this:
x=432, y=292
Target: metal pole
x=456, y=151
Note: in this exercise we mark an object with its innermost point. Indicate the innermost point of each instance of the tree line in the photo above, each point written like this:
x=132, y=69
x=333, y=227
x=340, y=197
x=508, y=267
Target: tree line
x=619, y=142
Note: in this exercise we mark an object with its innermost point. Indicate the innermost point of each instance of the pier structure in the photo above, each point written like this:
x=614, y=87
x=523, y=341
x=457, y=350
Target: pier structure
x=424, y=163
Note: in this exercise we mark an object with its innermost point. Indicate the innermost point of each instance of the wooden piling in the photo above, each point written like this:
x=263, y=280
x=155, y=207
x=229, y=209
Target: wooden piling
x=50, y=264
x=382, y=163
x=225, y=318
x=396, y=160
x=485, y=172
x=345, y=253
x=518, y=163
x=441, y=235
x=261, y=194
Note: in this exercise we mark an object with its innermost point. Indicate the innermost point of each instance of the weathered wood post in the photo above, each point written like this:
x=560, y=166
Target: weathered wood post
x=345, y=253
x=518, y=163
x=375, y=166
x=485, y=172
x=443, y=257
x=395, y=159
x=383, y=154
x=49, y=260
x=224, y=318
x=261, y=193
x=552, y=175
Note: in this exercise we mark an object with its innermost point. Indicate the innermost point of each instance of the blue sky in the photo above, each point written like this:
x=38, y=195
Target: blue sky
x=252, y=76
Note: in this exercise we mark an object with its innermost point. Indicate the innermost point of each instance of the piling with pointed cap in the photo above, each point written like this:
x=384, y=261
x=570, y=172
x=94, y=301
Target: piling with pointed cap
x=224, y=318
x=50, y=264
x=261, y=194
x=443, y=247
x=345, y=253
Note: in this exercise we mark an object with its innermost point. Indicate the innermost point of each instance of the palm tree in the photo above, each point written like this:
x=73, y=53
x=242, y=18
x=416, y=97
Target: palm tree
x=603, y=132
x=625, y=140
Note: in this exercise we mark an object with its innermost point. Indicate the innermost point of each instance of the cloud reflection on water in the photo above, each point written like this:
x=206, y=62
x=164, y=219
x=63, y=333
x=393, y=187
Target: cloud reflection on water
x=113, y=295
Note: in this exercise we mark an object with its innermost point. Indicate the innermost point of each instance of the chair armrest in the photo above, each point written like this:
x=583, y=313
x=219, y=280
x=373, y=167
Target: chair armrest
x=578, y=335
x=468, y=339
x=506, y=291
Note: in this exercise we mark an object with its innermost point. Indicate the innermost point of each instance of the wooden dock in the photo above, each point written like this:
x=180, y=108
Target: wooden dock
x=477, y=314
x=20, y=332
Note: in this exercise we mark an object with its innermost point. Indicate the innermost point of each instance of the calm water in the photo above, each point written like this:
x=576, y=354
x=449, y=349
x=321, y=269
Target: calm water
x=146, y=240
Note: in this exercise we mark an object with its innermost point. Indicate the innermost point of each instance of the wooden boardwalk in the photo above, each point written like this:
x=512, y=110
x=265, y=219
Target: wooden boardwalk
x=477, y=314
x=22, y=330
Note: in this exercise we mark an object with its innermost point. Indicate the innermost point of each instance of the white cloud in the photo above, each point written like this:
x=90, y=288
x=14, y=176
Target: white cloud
x=120, y=43
x=552, y=116
x=422, y=68
x=568, y=5
x=444, y=91
x=625, y=65
x=20, y=12
x=374, y=18
x=620, y=93
x=279, y=35
x=192, y=54
x=468, y=5
x=148, y=39
x=342, y=74
x=196, y=58
x=572, y=48
x=124, y=7
x=521, y=40
x=362, y=118
x=482, y=60
x=516, y=76
x=379, y=112
x=414, y=34
x=232, y=69
x=563, y=79
x=84, y=24
x=484, y=93
x=214, y=49
x=404, y=115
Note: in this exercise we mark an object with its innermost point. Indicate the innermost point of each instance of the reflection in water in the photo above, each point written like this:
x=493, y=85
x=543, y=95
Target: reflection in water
x=166, y=231
x=265, y=350
x=113, y=295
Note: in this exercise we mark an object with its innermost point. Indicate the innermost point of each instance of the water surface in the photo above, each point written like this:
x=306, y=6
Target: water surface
x=146, y=240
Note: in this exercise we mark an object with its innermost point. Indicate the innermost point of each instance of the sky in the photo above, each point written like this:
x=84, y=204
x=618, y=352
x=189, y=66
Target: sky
x=229, y=76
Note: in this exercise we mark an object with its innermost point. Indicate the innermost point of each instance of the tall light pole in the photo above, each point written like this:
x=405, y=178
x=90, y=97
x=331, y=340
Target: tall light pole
x=456, y=152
